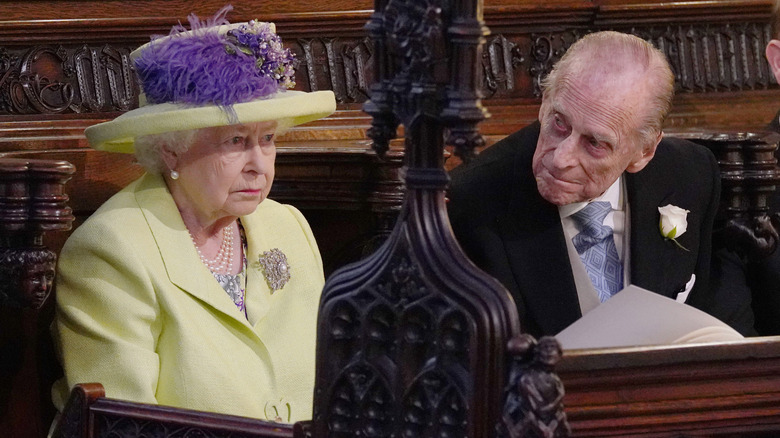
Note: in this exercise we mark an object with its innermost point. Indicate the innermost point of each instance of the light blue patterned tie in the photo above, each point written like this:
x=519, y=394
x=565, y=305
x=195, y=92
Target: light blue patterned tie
x=596, y=247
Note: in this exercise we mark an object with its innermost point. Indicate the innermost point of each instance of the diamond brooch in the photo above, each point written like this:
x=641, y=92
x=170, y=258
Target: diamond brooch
x=275, y=268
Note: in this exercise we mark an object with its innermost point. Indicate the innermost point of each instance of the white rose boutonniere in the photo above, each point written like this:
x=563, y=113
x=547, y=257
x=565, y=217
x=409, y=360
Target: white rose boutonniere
x=673, y=222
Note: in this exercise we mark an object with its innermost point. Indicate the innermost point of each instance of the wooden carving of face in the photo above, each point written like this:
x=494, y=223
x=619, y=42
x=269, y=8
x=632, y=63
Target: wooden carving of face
x=29, y=274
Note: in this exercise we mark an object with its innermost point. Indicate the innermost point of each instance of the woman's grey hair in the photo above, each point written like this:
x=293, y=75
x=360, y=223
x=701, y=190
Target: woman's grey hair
x=659, y=75
x=148, y=148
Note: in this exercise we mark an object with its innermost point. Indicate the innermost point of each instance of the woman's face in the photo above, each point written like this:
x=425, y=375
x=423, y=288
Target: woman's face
x=226, y=172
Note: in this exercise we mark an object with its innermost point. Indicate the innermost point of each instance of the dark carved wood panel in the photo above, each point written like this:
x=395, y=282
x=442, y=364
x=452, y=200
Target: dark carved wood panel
x=704, y=57
x=412, y=340
x=94, y=79
x=721, y=54
x=54, y=80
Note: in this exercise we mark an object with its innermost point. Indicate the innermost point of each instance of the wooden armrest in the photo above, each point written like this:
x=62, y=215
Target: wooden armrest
x=88, y=413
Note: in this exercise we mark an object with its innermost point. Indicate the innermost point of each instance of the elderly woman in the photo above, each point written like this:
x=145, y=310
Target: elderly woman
x=190, y=287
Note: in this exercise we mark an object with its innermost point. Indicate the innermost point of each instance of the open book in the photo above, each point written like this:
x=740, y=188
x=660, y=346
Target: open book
x=636, y=316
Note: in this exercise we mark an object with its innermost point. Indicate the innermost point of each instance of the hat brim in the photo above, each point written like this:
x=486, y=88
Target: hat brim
x=289, y=108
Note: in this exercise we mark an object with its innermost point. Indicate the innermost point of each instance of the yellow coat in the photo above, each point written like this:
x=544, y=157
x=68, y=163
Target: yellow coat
x=138, y=312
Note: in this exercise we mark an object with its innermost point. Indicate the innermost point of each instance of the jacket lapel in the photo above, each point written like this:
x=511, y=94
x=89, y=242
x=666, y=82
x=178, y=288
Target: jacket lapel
x=179, y=255
x=536, y=249
x=655, y=261
x=258, y=294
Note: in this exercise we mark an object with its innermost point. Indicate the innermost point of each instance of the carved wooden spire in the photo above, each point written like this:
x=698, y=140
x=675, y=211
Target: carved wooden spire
x=411, y=341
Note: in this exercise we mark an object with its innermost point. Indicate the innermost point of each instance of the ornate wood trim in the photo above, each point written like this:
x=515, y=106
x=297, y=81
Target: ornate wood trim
x=714, y=48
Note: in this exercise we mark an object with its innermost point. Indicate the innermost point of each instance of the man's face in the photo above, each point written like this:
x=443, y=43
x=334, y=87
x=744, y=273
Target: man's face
x=588, y=138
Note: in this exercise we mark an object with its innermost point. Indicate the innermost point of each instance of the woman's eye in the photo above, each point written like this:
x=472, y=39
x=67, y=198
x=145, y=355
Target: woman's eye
x=268, y=138
x=237, y=140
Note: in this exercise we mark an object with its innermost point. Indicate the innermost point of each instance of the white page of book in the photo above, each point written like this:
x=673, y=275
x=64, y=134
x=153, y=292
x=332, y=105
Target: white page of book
x=636, y=317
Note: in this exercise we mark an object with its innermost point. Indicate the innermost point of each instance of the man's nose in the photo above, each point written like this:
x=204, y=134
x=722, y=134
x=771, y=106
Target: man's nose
x=564, y=154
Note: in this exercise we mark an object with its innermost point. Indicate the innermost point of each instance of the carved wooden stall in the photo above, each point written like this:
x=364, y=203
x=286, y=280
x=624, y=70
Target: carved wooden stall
x=412, y=340
x=64, y=66
x=32, y=203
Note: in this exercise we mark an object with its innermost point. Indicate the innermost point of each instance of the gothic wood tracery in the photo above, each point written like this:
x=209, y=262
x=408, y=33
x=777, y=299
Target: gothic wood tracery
x=55, y=80
x=706, y=58
x=405, y=345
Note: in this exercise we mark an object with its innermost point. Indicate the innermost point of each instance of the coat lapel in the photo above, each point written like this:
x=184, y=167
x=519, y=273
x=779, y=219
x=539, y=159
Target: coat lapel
x=536, y=249
x=258, y=294
x=655, y=261
x=179, y=255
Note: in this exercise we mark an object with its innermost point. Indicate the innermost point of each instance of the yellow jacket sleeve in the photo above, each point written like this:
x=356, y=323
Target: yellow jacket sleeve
x=107, y=314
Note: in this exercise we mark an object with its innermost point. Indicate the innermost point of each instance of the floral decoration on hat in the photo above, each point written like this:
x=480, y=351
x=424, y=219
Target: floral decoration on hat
x=258, y=39
x=214, y=74
x=208, y=65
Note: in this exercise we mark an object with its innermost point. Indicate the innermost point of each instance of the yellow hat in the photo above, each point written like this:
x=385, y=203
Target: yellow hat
x=215, y=74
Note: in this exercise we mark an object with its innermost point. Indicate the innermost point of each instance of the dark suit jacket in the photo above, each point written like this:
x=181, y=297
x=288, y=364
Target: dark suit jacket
x=513, y=234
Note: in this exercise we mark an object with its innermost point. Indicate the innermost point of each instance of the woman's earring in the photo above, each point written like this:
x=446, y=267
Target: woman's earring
x=174, y=175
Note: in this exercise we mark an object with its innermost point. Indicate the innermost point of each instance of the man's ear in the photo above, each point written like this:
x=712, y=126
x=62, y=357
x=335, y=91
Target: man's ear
x=647, y=154
x=773, y=56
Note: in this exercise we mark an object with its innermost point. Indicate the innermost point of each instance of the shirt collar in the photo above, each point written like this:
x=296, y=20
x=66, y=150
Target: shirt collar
x=613, y=195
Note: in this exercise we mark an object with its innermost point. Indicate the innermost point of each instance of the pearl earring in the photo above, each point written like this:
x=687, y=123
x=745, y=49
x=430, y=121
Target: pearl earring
x=174, y=175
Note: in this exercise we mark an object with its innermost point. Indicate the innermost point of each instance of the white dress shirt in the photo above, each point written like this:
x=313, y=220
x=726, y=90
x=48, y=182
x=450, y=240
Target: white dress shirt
x=618, y=220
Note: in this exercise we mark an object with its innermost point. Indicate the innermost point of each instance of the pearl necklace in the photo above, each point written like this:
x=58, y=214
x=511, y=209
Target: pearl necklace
x=223, y=262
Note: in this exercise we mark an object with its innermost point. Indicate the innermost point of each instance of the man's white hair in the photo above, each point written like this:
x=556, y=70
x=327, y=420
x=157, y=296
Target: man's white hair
x=659, y=78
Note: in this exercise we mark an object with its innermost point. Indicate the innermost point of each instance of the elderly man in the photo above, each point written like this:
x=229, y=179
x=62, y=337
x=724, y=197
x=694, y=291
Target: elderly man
x=565, y=212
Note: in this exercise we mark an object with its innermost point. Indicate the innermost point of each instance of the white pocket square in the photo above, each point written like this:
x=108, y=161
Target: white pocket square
x=682, y=296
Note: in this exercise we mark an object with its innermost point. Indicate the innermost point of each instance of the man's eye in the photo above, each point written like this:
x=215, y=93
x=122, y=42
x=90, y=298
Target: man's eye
x=237, y=140
x=558, y=122
x=268, y=138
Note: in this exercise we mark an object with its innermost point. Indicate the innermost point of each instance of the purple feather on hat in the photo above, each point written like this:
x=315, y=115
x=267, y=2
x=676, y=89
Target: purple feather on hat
x=203, y=67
